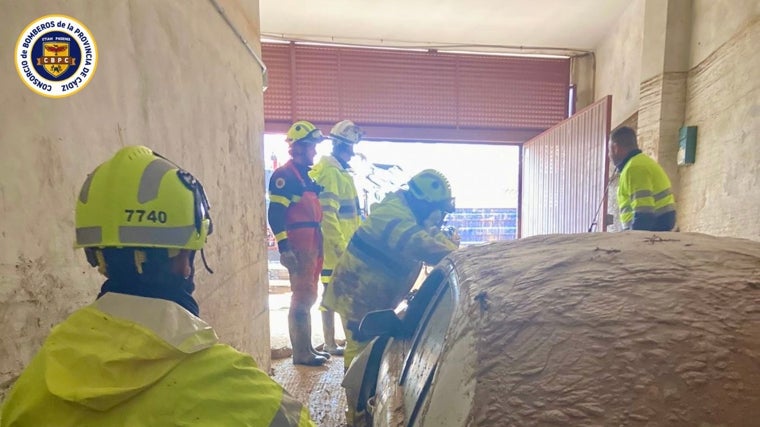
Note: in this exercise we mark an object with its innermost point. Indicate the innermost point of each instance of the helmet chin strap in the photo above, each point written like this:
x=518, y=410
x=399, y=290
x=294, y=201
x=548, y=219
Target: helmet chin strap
x=421, y=208
x=205, y=264
x=192, y=263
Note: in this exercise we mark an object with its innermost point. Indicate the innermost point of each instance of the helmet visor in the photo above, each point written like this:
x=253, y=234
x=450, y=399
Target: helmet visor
x=201, y=201
x=313, y=137
x=350, y=135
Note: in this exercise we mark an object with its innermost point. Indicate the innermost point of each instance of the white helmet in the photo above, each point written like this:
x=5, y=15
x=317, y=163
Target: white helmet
x=346, y=132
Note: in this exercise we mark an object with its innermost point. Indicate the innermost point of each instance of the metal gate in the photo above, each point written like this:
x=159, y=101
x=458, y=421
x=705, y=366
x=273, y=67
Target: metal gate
x=564, y=172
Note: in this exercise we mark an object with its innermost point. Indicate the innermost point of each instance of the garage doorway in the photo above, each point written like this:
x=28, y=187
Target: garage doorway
x=484, y=180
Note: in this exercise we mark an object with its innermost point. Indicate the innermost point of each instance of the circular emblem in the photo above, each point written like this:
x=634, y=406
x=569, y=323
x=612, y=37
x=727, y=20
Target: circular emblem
x=56, y=56
x=279, y=183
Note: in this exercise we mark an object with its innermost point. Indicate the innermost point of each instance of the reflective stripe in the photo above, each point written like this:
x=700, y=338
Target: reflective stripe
x=662, y=194
x=279, y=200
x=329, y=195
x=665, y=209
x=348, y=208
x=627, y=225
x=404, y=239
x=325, y=277
x=376, y=251
x=281, y=235
x=385, y=236
x=150, y=180
x=89, y=235
x=328, y=208
x=174, y=324
x=373, y=256
x=289, y=413
x=85, y=191
x=644, y=209
x=641, y=194
x=645, y=190
x=173, y=236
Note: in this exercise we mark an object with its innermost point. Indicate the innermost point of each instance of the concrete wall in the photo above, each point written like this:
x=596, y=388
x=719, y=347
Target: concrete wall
x=582, y=76
x=705, y=76
x=618, y=63
x=720, y=193
x=714, y=22
x=662, y=95
x=173, y=76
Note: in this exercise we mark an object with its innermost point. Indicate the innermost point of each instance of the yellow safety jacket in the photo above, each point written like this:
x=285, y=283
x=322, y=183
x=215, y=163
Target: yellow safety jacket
x=383, y=260
x=340, y=210
x=134, y=361
x=644, y=195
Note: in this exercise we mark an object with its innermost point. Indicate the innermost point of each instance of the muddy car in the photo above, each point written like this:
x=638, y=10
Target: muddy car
x=597, y=329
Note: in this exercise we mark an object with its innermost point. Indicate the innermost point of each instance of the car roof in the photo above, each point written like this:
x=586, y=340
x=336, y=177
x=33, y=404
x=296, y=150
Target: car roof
x=610, y=328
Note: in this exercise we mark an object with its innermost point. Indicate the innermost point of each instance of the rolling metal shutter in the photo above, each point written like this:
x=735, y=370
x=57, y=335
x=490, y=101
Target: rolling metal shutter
x=410, y=95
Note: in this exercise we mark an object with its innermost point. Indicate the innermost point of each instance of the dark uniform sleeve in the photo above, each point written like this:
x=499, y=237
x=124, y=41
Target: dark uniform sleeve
x=283, y=186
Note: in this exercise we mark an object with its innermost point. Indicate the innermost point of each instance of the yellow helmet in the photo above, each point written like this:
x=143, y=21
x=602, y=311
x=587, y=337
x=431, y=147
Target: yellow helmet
x=140, y=199
x=303, y=131
x=433, y=187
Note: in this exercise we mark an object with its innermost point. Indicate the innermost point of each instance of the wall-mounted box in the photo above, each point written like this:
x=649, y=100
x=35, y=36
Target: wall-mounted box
x=687, y=145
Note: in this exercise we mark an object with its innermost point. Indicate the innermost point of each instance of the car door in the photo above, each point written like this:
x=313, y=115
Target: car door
x=408, y=352
x=426, y=348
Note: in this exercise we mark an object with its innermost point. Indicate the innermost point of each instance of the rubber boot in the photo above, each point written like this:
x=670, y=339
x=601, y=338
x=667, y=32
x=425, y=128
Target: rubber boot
x=328, y=327
x=319, y=353
x=314, y=351
x=300, y=338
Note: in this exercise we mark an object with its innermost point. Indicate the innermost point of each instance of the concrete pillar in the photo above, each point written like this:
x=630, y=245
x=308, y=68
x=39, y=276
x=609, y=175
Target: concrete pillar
x=582, y=76
x=664, y=67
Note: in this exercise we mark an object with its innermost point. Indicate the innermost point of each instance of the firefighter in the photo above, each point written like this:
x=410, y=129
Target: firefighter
x=294, y=216
x=645, y=198
x=340, y=210
x=140, y=355
x=385, y=255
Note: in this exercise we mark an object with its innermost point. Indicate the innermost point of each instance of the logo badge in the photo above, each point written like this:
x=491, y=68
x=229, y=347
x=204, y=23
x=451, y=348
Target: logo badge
x=56, y=56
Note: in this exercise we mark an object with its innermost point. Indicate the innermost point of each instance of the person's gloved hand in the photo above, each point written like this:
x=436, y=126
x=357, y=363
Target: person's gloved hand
x=353, y=326
x=288, y=260
x=410, y=296
x=453, y=234
x=456, y=238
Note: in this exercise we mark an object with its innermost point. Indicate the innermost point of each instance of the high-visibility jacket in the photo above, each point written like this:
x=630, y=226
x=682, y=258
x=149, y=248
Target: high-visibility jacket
x=383, y=260
x=340, y=209
x=644, y=195
x=133, y=361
